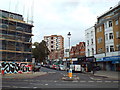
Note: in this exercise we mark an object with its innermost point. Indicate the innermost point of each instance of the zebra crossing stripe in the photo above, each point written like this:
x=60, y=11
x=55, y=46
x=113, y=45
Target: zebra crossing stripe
x=90, y=81
x=99, y=81
x=115, y=81
x=107, y=81
x=82, y=81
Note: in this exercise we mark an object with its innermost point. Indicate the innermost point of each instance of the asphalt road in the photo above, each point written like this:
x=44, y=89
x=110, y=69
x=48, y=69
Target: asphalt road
x=53, y=79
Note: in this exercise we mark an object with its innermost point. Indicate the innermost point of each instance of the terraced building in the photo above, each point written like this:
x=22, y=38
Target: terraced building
x=15, y=38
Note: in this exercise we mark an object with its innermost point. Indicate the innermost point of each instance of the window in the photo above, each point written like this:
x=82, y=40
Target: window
x=100, y=29
x=92, y=51
x=51, y=46
x=92, y=41
x=87, y=34
x=110, y=35
x=118, y=47
x=97, y=29
x=52, y=42
x=112, y=48
x=51, y=37
x=110, y=23
x=105, y=24
x=91, y=33
x=117, y=34
x=87, y=42
x=106, y=36
x=100, y=50
x=107, y=49
x=88, y=52
x=116, y=22
x=99, y=39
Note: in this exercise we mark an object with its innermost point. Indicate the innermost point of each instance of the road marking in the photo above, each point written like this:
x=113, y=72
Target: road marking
x=74, y=81
x=90, y=81
x=115, y=81
x=24, y=87
x=82, y=81
x=34, y=87
x=107, y=81
x=99, y=81
x=46, y=84
x=64, y=81
x=55, y=81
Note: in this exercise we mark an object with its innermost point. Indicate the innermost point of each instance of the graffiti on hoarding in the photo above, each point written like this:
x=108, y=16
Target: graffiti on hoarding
x=15, y=67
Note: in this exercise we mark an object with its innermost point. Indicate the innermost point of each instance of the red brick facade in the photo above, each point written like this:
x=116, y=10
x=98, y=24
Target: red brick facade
x=78, y=50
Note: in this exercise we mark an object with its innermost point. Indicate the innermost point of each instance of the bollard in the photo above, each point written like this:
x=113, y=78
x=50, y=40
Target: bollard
x=70, y=73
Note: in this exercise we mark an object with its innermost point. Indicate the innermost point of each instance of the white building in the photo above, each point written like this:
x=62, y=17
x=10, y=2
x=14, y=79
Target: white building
x=90, y=41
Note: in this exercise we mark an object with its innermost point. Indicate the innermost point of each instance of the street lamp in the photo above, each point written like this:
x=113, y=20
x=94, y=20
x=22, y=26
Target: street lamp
x=69, y=36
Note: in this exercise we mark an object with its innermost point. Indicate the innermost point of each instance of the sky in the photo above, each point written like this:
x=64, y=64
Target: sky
x=58, y=17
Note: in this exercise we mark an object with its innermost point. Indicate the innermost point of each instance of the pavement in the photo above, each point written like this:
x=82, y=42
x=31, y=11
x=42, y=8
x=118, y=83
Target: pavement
x=108, y=74
x=24, y=75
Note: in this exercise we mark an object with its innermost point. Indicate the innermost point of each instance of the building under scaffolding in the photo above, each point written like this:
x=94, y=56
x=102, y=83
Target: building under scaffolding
x=15, y=38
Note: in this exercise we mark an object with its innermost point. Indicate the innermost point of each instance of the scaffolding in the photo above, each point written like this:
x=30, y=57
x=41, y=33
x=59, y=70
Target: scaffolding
x=15, y=38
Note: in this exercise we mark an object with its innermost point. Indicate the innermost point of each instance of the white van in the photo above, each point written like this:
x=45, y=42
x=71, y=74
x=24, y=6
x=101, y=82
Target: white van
x=76, y=67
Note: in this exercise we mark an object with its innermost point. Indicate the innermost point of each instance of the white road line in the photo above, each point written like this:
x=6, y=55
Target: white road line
x=64, y=81
x=115, y=81
x=74, y=81
x=23, y=87
x=90, y=81
x=35, y=87
x=107, y=81
x=46, y=84
x=82, y=81
x=99, y=81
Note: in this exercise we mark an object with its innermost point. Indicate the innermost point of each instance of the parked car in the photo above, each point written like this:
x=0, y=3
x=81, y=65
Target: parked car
x=54, y=66
x=61, y=67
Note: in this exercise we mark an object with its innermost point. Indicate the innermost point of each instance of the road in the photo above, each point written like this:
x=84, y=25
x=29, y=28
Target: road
x=53, y=79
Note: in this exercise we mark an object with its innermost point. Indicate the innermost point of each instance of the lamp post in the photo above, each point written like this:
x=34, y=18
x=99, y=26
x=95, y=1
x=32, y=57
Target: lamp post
x=70, y=70
x=69, y=36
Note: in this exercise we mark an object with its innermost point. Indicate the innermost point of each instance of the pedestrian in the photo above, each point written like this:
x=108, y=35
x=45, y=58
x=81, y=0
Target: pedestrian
x=94, y=69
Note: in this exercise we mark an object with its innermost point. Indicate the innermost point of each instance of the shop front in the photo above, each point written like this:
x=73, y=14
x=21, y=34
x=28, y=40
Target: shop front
x=109, y=63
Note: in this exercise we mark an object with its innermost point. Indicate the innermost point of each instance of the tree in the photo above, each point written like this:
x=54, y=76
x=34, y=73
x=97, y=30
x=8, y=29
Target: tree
x=40, y=52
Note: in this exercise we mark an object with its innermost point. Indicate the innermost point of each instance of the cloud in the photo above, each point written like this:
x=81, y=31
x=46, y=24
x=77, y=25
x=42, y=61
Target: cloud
x=60, y=16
